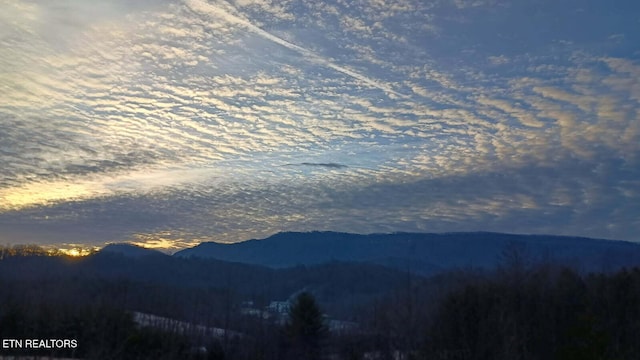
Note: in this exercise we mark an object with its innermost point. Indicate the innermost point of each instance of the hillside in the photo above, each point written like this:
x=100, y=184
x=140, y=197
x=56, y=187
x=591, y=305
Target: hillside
x=148, y=280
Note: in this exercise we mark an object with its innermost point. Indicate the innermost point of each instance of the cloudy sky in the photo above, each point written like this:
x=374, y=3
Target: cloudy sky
x=170, y=122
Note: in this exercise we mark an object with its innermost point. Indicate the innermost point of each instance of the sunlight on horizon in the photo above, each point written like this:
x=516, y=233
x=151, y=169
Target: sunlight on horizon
x=76, y=252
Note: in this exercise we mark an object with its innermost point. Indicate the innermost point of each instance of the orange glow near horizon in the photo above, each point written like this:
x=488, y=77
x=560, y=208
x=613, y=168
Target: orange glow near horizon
x=165, y=241
x=75, y=251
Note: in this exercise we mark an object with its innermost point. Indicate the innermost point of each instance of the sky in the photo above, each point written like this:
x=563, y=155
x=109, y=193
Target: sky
x=166, y=123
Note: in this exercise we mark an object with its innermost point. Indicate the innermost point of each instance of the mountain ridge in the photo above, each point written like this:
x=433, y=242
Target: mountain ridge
x=131, y=250
x=421, y=252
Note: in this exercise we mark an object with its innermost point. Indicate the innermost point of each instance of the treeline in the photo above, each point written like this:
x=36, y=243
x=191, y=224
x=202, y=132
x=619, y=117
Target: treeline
x=26, y=250
x=21, y=250
x=518, y=311
x=547, y=313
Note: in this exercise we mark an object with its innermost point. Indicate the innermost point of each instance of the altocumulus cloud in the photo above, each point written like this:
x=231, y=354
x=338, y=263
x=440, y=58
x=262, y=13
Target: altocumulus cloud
x=173, y=122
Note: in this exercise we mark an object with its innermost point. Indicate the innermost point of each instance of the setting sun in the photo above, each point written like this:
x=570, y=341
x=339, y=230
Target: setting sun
x=75, y=251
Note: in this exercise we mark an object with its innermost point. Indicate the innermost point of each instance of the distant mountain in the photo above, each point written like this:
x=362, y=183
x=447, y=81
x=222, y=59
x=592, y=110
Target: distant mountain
x=421, y=252
x=129, y=250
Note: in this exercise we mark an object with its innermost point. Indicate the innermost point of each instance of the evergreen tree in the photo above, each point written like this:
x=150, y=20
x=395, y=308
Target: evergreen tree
x=305, y=328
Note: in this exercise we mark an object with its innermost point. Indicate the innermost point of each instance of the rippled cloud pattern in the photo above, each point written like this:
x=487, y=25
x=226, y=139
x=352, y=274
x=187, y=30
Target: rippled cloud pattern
x=167, y=123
